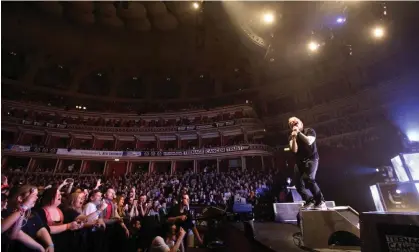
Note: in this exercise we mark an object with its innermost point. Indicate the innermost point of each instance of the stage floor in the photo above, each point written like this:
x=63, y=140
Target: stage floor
x=279, y=237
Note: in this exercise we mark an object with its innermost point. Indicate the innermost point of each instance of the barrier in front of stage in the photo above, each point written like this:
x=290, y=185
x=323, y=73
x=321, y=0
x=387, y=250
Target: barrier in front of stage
x=388, y=232
x=287, y=212
x=323, y=228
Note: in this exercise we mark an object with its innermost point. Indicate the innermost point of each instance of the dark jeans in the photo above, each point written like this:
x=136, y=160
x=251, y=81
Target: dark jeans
x=305, y=178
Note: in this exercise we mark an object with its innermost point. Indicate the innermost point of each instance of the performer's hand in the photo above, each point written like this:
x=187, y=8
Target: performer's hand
x=294, y=134
x=295, y=128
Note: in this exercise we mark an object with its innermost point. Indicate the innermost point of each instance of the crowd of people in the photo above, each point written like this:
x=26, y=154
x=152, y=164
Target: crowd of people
x=139, y=211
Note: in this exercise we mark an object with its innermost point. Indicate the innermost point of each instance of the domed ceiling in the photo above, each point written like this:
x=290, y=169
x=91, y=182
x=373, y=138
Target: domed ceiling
x=184, y=50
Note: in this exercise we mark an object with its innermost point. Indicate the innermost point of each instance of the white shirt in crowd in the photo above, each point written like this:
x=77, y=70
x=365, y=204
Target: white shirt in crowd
x=90, y=208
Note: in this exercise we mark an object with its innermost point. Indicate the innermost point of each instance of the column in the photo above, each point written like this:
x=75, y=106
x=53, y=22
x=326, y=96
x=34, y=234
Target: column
x=221, y=138
x=94, y=141
x=199, y=141
x=47, y=139
x=129, y=168
x=273, y=162
x=106, y=168
x=150, y=166
x=82, y=166
x=245, y=137
x=158, y=142
x=172, y=167
x=263, y=163
x=218, y=165
x=20, y=136
x=57, y=164
x=30, y=166
x=137, y=143
x=195, y=166
x=243, y=163
x=179, y=141
x=71, y=141
x=115, y=146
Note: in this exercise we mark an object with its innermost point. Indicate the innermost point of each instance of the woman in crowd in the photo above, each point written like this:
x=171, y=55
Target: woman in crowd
x=30, y=233
x=53, y=217
x=76, y=241
x=120, y=208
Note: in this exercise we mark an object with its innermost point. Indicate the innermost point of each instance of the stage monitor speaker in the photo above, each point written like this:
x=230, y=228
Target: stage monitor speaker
x=338, y=226
x=389, y=232
x=287, y=212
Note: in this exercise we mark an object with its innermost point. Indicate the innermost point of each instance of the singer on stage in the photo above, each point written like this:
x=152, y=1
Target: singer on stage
x=303, y=143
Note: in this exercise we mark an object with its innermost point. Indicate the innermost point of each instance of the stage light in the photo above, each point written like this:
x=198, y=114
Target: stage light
x=116, y=159
x=377, y=170
x=84, y=108
x=195, y=5
x=313, y=46
x=268, y=18
x=398, y=191
x=77, y=107
x=378, y=32
x=413, y=136
x=340, y=20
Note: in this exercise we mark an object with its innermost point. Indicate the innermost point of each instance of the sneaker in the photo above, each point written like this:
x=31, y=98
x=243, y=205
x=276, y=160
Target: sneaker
x=320, y=206
x=308, y=205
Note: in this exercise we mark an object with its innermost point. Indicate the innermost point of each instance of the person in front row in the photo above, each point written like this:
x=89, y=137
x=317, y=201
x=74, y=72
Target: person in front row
x=180, y=216
x=302, y=142
x=168, y=242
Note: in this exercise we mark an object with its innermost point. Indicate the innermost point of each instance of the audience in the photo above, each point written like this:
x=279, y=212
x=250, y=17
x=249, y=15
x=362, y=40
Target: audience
x=138, y=211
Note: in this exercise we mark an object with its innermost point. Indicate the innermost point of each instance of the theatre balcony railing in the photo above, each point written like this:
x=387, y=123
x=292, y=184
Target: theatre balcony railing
x=31, y=124
x=223, y=152
x=246, y=109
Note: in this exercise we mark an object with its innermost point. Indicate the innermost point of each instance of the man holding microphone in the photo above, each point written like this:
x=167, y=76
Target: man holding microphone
x=302, y=142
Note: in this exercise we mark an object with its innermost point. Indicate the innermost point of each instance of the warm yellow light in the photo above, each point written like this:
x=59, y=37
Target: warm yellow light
x=313, y=46
x=378, y=32
x=195, y=5
x=268, y=18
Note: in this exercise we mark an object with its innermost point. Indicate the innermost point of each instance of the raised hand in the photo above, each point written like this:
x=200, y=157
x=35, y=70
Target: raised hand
x=31, y=199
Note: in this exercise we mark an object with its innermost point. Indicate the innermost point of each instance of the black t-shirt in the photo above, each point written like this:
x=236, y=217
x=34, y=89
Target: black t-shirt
x=175, y=211
x=30, y=227
x=306, y=152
